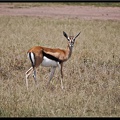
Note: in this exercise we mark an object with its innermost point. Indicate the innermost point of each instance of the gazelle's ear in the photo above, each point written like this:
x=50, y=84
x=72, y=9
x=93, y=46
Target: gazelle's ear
x=77, y=35
x=65, y=34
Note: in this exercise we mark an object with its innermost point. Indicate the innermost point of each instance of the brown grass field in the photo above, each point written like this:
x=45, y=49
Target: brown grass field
x=91, y=75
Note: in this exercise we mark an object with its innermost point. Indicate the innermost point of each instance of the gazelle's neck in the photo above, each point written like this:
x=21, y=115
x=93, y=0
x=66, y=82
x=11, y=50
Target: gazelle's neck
x=69, y=51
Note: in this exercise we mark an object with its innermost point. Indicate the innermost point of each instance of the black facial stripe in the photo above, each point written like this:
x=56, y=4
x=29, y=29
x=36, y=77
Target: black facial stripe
x=51, y=57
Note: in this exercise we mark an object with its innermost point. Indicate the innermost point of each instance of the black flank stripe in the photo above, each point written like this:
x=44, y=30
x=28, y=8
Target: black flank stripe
x=51, y=57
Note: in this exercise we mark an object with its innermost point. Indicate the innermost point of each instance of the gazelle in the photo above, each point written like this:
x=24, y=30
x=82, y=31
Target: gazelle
x=49, y=57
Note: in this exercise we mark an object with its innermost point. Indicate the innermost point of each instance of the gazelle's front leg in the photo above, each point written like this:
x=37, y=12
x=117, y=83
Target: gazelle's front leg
x=51, y=74
x=60, y=67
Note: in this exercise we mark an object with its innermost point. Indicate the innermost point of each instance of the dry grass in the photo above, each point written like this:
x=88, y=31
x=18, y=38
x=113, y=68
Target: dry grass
x=91, y=75
x=38, y=4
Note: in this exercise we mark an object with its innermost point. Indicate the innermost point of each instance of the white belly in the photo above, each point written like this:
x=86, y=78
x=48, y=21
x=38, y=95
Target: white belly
x=48, y=62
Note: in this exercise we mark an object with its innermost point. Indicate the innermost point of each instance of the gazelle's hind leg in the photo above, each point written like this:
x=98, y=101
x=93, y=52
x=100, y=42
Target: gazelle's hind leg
x=35, y=62
x=51, y=74
x=34, y=75
x=27, y=75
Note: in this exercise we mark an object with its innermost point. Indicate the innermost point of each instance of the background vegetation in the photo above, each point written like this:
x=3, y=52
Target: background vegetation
x=37, y=4
x=91, y=75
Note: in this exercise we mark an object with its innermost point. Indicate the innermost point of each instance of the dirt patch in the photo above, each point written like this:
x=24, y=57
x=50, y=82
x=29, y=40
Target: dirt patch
x=80, y=12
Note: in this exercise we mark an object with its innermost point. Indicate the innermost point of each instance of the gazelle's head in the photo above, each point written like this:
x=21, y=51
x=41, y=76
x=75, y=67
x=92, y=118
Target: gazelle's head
x=71, y=39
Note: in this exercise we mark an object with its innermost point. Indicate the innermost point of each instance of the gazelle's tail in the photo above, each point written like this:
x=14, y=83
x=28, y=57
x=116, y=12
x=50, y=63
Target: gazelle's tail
x=31, y=56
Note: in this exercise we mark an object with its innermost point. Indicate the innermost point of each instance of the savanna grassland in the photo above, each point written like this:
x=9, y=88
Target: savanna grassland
x=91, y=75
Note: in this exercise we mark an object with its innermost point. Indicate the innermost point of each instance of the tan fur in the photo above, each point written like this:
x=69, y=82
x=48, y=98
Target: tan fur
x=58, y=53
